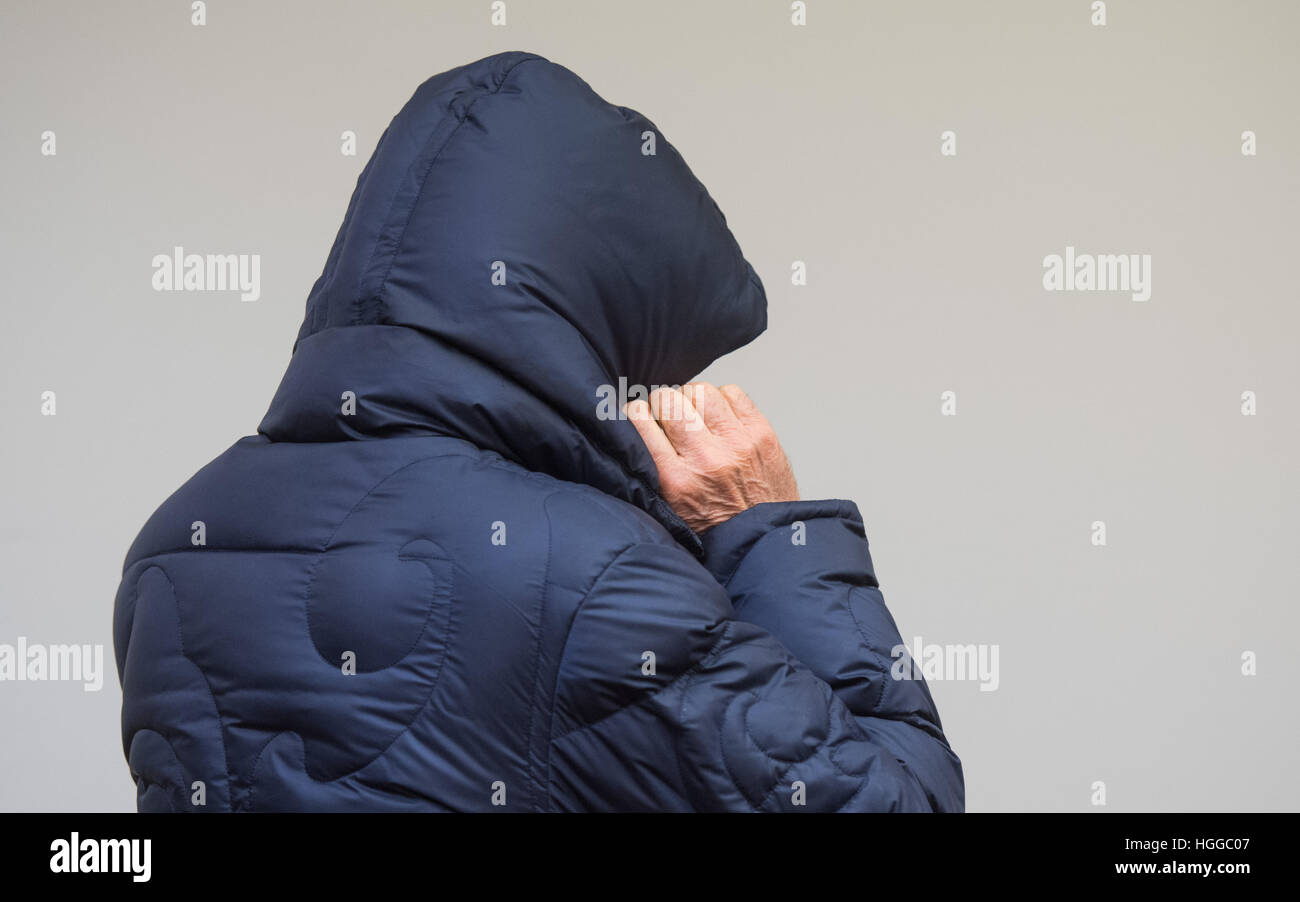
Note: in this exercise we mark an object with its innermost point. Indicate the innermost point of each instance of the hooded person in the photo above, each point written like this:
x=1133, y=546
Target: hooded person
x=442, y=577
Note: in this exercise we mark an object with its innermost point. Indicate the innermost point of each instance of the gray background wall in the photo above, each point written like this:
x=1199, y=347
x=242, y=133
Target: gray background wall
x=821, y=143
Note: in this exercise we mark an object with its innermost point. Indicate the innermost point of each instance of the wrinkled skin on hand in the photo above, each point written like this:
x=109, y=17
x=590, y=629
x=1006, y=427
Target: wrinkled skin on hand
x=717, y=455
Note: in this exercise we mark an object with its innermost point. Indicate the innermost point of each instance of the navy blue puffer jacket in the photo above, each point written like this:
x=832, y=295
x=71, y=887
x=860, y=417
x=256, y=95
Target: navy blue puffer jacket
x=441, y=576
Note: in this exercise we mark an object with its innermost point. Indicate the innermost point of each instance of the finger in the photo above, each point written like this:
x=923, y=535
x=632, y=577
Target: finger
x=674, y=411
x=718, y=416
x=745, y=409
x=661, y=450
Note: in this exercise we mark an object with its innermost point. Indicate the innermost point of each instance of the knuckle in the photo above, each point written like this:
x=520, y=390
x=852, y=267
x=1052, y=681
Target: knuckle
x=665, y=402
x=738, y=399
x=767, y=444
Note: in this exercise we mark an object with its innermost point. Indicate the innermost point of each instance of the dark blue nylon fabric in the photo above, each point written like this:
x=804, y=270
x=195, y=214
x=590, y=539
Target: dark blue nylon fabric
x=466, y=593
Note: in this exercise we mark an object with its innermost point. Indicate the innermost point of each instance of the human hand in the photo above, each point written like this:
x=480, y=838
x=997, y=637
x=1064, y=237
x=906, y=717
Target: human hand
x=717, y=455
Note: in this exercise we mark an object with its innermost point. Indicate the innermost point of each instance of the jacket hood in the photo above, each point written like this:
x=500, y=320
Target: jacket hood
x=509, y=253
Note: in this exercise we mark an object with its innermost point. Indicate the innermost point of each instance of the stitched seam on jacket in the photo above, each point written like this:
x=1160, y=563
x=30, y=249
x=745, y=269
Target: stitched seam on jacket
x=451, y=629
x=271, y=550
x=180, y=639
x=404, y=558
x=862, y=779
x=686, y=679
x=906, y=768
x=722, y=750
x=780, y=778
x=683, y=677
x=424, y=706
x=659, y=691
x=451, y=623
x=424, y=178
x=180, y=769
x=564, y=651
x=866, y=643
x=773, y=527
x=540, y=793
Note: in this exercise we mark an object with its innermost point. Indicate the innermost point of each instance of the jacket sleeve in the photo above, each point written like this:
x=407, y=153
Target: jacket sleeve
x=666, y=691
x=803, y=572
